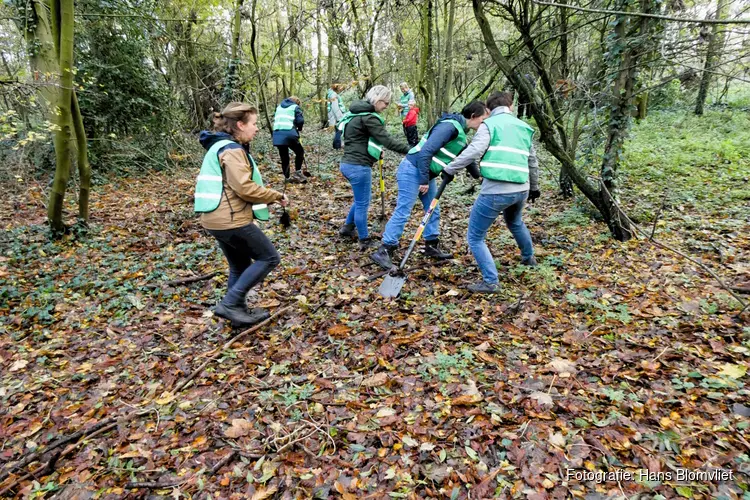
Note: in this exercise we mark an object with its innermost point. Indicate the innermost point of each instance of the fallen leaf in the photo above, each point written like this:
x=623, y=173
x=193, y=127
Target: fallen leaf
x=240, y=427
x=19, y=365
x=376, y=380
x=471, y=395
x=557, y=440
x=733, y=371
x=339, y=330
x=563, y=367
x=263, y=493
x=385, y=412
x=427, y=447
x=409, y=441
x=542, y=398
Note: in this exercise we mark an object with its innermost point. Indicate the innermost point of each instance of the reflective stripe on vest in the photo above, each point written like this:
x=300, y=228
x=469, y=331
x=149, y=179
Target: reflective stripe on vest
x=283, y=119
x=448, y=152
x=209, y=186
x=374, y=148
x=507, y=158
x=210, y=183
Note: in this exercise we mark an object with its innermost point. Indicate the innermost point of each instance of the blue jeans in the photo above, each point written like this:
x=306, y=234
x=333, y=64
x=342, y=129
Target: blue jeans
x=360, y=177
x=483, y=214
x=407, y=177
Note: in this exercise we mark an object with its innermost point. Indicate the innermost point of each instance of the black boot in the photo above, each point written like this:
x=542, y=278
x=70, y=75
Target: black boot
x=237, y=315
x=432, y=249
x=348, y=231
x=383, y=256
x=367, y=243
x=258, y=314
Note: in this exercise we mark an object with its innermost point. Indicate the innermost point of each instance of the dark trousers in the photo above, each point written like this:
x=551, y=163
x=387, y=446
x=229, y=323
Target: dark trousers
x=412, y=136
x=337, y=139
x=299, y=157
x=251, y=256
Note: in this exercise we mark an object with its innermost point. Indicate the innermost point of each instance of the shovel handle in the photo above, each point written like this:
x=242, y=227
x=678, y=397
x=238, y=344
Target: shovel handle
x=424, y=222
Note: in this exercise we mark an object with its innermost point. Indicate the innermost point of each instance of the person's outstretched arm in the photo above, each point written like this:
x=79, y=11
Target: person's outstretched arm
x=472, y=153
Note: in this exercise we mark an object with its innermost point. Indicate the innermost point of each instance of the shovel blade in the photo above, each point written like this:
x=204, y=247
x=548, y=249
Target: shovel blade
x=391, y=286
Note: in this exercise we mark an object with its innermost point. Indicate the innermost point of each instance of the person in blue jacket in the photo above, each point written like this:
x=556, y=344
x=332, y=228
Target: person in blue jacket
x=416, y=179
x=287, y=124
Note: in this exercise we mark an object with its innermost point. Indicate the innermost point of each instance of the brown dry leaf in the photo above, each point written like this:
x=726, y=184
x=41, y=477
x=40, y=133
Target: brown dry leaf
x=264, y=493
x=339, y=331
x=542, y=398
x=471, y=395
x=376, y=380
x=489, y=358
x=563, y=367
x=407, y=339
x=19, y=365
x=240, y=427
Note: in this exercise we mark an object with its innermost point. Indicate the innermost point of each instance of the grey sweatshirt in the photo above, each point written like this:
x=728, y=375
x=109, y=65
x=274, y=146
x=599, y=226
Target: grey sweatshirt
x=478, y=148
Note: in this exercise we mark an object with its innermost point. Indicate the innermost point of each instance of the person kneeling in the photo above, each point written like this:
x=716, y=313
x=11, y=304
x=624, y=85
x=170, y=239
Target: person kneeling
x=416, y=179
x=229, y=195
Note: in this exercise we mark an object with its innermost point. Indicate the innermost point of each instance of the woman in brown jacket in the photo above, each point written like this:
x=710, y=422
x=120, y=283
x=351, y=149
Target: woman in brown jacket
x=229, y=195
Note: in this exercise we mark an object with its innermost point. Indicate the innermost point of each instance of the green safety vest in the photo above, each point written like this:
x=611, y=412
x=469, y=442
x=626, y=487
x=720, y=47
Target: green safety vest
x=448, y=152
x=283, y=119
x=338, y=102
x=374, y=148
x=404, y=102
x=210, y=184
x=507, y=158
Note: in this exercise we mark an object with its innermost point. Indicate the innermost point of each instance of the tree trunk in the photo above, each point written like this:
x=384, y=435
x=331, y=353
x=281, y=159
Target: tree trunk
x=37, y=31
x=62, y=33
x=319, y=69
x=331, y=48
x=200, y=115
x=254, y=53
x=712, y=53
x=426, y=73
x=234, y=59
x=447, y=84
x=564, y=69
x=282, y=53
x=596, y=194
x=84, y=169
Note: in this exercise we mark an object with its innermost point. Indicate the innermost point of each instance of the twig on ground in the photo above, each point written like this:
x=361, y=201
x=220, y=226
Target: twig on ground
x=185, y=281
x=213, y=354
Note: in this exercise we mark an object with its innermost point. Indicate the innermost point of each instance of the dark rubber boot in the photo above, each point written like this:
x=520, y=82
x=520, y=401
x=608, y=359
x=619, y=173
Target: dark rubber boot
x=383, y=256
x=367, y=243
x=432, y=249
x=348, y=231
x=236, y=314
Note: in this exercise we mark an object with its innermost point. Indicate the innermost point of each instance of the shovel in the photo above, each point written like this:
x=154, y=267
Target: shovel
x=382, y=190
x=394, y=280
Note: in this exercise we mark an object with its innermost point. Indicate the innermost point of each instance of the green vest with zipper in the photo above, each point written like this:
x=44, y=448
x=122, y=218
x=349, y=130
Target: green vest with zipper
x=283, y=119
x=507, y=158
x=374, y=148
x=448, y=152
x=210, y=185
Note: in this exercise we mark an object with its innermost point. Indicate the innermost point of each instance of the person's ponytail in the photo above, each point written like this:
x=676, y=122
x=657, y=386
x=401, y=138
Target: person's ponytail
x=226, y=120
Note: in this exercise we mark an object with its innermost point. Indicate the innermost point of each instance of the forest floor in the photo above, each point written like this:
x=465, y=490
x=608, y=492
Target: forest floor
x=606, y=357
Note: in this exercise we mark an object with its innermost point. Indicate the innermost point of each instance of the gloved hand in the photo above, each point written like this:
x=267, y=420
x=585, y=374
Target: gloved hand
x=473, y=170
x=534, y=194
x=446, y=176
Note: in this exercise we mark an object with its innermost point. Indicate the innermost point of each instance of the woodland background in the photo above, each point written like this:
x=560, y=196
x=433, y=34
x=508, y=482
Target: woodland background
x=626, y=348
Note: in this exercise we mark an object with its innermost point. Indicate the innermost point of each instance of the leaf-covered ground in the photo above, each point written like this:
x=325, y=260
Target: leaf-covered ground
x=606, y=357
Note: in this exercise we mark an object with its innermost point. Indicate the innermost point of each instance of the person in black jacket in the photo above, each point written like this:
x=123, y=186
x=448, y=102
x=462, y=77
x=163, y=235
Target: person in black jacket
x=365, y=137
